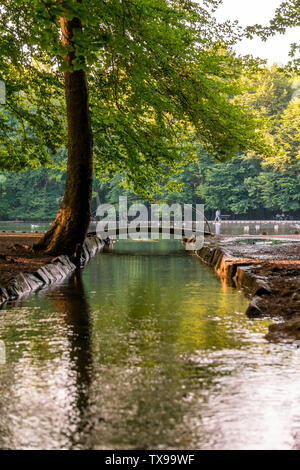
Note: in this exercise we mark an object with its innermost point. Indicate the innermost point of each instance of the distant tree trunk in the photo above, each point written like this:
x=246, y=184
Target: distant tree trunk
x=71, y=224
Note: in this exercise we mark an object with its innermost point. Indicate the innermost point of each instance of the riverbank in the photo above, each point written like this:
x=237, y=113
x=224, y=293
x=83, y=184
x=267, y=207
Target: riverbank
x=266, y=268
x=16, y=255
x=269, y=274
x=22, y=271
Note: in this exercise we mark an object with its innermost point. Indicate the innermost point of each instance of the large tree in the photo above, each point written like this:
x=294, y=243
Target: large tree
x=144, y=82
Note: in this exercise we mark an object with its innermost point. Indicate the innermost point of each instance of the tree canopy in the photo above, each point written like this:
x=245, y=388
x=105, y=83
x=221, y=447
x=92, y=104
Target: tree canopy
x=161, y=79
x=246, y=186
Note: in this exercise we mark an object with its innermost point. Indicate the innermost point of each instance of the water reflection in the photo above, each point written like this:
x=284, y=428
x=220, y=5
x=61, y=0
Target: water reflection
x=148, y=350
x=72, y=303
x=45, y=384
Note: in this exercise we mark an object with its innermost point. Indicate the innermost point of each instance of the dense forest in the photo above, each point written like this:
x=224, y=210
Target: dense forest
x=246, y=186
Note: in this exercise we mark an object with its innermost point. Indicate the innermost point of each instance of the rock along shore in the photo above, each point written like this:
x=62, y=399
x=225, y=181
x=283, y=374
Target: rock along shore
x=23, y=272
x=268, y=274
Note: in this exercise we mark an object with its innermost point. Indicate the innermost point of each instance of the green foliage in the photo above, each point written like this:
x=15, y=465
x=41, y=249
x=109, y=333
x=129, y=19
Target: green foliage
x=159, y=87
x=160, y=73
x=32, y=122
x=268, y=91
x=225, y=185
x=33, y=194
x=246, y=185
x=276, y=190
x=287, y=15
x=166, y=94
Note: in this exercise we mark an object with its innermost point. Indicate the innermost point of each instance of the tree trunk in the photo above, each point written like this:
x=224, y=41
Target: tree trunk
x=71, y=224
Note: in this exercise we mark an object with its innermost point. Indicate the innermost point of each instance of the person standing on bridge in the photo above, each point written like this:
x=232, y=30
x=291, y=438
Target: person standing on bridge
x=218, y=217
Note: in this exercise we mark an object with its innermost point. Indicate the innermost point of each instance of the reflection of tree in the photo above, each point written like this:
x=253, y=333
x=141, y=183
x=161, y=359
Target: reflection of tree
x=73, y=304
x=48, y=373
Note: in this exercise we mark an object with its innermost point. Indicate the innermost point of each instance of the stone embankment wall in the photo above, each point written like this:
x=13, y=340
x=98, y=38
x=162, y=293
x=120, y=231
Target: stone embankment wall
x=236, y=271
x=269, y=276
x=51, y=273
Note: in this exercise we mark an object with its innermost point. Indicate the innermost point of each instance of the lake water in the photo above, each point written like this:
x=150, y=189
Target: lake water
x=255, y=228
x=225, y=228
x=147, y=349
